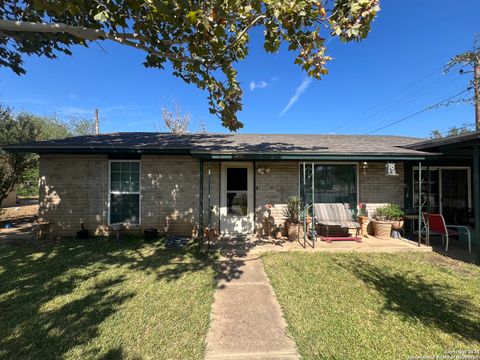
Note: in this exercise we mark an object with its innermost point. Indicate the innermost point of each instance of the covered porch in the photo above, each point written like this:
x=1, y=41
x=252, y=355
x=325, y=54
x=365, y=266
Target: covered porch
x=448, y=184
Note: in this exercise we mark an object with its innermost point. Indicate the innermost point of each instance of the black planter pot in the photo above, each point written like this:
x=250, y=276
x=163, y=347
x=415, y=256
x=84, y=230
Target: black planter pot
x=82, y=234
x=150, y=234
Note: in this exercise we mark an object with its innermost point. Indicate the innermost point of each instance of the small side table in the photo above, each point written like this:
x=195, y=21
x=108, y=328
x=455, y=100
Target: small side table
x=363, y=220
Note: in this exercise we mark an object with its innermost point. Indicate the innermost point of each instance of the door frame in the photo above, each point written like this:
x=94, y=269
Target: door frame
x=250, y=195
x=440, y=184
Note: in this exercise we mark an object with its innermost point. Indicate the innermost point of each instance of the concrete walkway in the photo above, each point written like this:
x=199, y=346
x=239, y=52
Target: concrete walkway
x=246, y=319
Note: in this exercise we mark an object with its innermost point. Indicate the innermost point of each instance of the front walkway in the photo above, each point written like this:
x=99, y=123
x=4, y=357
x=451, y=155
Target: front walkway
x=246, y=319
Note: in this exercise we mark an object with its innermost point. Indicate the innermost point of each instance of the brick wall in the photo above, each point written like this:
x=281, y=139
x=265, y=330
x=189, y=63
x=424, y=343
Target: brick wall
x=214, y=193
x=73, y=189
x=274, y=188
x=377, y=190
x=170, y=190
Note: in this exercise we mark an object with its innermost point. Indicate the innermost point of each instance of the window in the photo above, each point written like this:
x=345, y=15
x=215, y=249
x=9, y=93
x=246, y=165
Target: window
x=237, y=191
x=125, y=192
x=333, y=183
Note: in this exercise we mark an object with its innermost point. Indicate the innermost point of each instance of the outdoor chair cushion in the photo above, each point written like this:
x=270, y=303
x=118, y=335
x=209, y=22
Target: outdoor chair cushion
x=335, y=214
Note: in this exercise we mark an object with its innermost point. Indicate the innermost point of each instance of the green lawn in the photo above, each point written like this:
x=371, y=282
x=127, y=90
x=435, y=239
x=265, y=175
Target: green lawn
x=377, y=306
x=103, y=299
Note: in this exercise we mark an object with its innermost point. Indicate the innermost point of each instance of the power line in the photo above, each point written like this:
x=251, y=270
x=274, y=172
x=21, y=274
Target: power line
x=361, y=115
x=406, y=99
x=417, y=113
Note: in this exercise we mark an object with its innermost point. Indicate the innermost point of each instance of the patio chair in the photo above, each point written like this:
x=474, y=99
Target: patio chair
x=336, y=215
x=436, y=226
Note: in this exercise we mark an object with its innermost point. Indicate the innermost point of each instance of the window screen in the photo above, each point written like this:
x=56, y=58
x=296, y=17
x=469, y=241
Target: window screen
x=332, y=184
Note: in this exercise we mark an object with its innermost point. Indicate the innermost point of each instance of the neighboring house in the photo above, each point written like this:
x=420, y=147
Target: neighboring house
x=10, y=200
x=178, y=182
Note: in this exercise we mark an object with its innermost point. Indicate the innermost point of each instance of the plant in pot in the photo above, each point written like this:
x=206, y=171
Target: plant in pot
x=362, y=216
x=279, y=232
x=292, y=214
x=384, y=219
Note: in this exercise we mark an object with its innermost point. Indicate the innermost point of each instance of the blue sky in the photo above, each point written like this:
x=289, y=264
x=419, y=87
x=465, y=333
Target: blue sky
x=395, y=72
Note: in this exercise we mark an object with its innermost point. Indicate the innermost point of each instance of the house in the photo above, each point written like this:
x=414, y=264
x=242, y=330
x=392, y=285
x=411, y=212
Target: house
x=10, y=200
x=182, y=182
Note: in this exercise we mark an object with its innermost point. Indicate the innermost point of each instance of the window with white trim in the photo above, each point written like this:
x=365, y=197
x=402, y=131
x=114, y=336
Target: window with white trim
x=124, y=192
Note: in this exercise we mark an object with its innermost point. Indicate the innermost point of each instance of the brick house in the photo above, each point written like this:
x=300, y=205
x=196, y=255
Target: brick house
x=180, y=182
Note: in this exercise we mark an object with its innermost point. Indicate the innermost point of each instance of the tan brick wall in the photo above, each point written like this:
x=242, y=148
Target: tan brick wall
x=274, y=188
x=170, y=190
x=376, y=189
x=214, y=193
x=73, y=189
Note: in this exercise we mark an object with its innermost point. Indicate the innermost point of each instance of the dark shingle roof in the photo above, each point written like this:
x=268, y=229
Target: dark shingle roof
x=231, y=143
x=448, y=140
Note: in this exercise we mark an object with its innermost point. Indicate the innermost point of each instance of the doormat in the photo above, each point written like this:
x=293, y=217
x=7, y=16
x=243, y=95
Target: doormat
x=176, y=242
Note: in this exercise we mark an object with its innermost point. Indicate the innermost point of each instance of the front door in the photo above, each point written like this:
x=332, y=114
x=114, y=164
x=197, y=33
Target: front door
x=236, y=201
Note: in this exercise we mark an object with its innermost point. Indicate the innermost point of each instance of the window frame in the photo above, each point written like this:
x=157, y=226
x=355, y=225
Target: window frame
x=139, y=192
x=357, y=169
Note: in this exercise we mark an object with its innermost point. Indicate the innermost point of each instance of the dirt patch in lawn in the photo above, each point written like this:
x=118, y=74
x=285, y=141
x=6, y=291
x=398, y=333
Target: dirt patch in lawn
x=19, y=214
x=19, y=220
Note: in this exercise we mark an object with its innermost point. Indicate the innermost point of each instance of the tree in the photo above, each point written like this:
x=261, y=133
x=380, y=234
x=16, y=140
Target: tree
x=201, y=40
x=22, y=169
x=176, y=121
x=453, y=131
x=14, y=165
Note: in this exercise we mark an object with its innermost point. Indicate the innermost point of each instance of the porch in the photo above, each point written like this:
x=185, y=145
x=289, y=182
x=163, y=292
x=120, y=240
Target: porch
x=229, y=246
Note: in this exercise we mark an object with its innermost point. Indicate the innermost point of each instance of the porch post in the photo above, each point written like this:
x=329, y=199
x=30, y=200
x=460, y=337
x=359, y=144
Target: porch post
x=476, y=201
x=209, y=196
x=200, y=203
x=420, y=203
x=313, y=202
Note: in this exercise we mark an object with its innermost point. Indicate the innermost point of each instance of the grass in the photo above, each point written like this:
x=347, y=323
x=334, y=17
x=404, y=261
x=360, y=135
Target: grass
x=103, y=299
x=377, y=306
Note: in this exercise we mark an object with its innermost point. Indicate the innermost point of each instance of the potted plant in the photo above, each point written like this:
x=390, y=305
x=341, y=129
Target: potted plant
x=362, y=216
x=278, y=232
x=268, y=220
x=384, y=219
x=292, y=215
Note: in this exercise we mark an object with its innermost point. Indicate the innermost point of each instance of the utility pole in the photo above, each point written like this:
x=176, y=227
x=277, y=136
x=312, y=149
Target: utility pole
x=476, y=85
x=476, y=79
x=97, y=125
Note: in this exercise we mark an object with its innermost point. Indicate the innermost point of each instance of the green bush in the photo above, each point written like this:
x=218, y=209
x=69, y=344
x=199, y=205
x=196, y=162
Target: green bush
x=389, y=212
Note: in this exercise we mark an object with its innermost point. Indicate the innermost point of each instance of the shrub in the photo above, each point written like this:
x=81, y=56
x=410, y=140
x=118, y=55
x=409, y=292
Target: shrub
x=390, y=212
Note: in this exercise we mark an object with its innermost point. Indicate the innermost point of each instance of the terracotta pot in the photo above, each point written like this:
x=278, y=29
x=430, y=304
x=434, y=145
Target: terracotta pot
x=397, y=225
x=295, y=232
x=382, y=229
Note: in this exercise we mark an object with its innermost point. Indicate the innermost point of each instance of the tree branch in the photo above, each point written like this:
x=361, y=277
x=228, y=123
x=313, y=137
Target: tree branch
x=91, y=35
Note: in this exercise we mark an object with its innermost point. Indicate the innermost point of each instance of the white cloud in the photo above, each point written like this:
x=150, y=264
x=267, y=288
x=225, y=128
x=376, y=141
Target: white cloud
x=117, y=111
x=258, y=85
x=298, y=92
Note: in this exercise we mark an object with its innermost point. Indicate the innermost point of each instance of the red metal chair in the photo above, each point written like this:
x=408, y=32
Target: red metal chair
x=437, y=226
